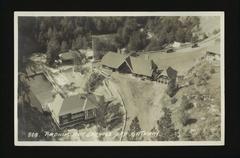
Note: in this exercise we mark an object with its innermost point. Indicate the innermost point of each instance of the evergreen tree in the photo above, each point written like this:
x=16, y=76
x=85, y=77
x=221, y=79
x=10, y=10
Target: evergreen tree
x=53, y=49
x=134, y=133
x=167, y=131
x=137, y=41
x=64, y=46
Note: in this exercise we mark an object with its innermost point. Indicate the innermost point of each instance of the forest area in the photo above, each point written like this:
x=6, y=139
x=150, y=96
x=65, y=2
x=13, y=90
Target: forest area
x=53, y=35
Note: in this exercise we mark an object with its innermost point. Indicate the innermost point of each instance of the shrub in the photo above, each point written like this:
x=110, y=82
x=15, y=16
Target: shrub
x=212, y=71
x=215, y=31
x=173, y=100
x=191, y=82
x=94, y=81
x=206, y=76
x=186, y=104
x=187, y=136
x=186, y=120
x=205, y=36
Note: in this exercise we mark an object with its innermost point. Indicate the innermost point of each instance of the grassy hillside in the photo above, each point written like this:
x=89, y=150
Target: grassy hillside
x=197, y=109
x=209, y=23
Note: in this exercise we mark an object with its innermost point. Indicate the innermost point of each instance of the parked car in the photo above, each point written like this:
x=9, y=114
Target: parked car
x=170, y=50
x=195, y=45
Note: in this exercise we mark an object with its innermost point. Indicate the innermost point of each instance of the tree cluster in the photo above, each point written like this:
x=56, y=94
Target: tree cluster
x=58, y=34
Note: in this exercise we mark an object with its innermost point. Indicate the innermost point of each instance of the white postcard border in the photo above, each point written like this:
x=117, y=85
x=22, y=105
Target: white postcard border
x=123, y=143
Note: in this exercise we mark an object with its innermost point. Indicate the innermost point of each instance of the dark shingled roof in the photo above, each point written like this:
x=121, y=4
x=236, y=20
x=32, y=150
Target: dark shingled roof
x=78, y=103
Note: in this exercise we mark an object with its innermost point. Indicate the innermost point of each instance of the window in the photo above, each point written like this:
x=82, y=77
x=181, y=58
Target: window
x=65, y=118
x=77, y=115
x=90, y=114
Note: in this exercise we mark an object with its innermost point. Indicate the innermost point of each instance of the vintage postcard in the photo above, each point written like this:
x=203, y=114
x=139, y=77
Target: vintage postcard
x=119, y=78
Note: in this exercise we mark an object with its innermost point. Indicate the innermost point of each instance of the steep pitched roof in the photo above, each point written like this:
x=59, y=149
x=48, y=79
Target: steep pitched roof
x=113, y=60
x=140, y=66
x=78, y=103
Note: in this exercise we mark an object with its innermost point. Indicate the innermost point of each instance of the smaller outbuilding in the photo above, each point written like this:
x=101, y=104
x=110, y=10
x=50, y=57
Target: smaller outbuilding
x=68, y=57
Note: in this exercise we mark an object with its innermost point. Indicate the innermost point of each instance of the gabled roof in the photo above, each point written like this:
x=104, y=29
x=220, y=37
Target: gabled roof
x=113, y=60
x=78, y=103
x=140, y=66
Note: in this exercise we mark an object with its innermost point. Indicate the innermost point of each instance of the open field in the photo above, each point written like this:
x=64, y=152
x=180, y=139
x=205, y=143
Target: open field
x=209, y=24
x=141, y=98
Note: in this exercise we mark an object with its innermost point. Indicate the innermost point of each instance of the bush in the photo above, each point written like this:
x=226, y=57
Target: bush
x=216, y=31
x=191, y=82
x=202, y=79
x=212, y=71
x=94, y=81
x=205, y=36
x=206, y=76
x=173, y=100
x=186, y=104
x=184, y=119
x=187, y=136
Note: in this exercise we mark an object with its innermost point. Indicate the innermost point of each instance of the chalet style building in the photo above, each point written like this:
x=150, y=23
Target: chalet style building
x=138, y=66
x=73, y=110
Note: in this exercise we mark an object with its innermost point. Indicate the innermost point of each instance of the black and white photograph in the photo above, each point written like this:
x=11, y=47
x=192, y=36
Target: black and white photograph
x=119, y=78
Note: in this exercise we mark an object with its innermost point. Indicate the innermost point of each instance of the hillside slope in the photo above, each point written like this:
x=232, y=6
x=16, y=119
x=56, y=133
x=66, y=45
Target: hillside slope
x=209, y=23
x=197, y=109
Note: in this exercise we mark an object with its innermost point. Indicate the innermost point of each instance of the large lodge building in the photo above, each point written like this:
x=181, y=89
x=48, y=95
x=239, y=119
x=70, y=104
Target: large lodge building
x=138, y=66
